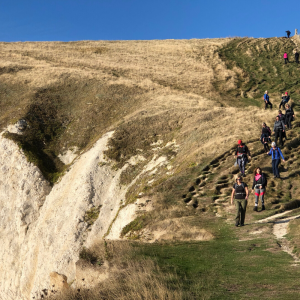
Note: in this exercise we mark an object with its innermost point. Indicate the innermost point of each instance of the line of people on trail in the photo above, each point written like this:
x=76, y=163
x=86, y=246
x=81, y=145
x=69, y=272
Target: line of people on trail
x=240, y=190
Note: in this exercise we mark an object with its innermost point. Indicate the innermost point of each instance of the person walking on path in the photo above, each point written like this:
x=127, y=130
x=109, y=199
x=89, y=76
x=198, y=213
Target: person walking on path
x=289, y=116
x=259, y=188
x=296, y=57
x=276, y=154
x=240, y=192
x=267, y=100
x=279, y=129
x=286, y=58
x=285, y=98
x=242, y=152
x=288, y=33
x=265, y=137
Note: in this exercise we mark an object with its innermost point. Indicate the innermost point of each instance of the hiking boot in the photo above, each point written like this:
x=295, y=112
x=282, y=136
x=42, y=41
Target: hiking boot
x=242, y=224
x=237, y=224
x=263, y=207
x=255, y=208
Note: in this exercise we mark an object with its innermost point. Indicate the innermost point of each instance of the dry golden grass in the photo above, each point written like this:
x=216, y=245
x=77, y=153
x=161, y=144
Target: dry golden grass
x=165, y=78
x=129, y=279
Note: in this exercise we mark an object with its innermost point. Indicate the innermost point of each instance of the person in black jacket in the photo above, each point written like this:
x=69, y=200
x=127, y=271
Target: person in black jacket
x=288, y=33
x=259, y=187
x=265, y=137
x=285, y=98
x=242, y=152
x=279, y=129
x=281, y=116
x=289, y=115
x=297, y=57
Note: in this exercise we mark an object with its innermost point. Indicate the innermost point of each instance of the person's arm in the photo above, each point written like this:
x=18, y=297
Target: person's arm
x=248, y=152
x=283, y=126
x=247, y=192
x=253, y=183
x=281, y=154
x=232, y=195
x=236, y=151
x=270, y=152
x=274, y=127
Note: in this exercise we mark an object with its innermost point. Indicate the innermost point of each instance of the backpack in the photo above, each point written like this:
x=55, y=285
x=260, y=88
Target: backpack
x=243, y=185
x=273, y=153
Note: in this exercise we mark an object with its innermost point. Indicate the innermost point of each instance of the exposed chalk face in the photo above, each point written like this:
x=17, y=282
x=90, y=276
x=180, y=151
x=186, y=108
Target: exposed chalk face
x=22, y=193
x=43, y=229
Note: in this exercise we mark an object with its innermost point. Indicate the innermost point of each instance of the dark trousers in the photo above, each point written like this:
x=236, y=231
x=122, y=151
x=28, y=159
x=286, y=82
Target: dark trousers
x=286, y=60
x=282, y=103
x=297, y=59
x=288, y=120
x=280, y=134
x=266, y=147
x=267, y=104
x=275, y=164
x=240, y=205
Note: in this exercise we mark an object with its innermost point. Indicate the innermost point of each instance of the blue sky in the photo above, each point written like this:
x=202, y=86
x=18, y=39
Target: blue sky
x=72, y=20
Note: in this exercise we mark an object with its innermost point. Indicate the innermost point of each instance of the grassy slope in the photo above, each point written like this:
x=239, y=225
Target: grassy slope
x=261, y=62
x=239, y=263
x=224, y=268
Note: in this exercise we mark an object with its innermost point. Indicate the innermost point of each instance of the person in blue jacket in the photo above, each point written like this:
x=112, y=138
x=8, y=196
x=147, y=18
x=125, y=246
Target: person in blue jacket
x=267, y=100
x=276, y=154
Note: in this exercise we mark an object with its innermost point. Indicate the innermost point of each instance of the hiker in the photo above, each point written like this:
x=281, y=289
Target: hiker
x=296, y=57
x=240, y=191
x=289, y=116
x=259, y=187
x=288, y=33
x=279, y=129
x=281, y=116
x=285, y=98
x=241, y=153
x=276, y=153
x=286, y=58
x=265, y=137
x=267, y=100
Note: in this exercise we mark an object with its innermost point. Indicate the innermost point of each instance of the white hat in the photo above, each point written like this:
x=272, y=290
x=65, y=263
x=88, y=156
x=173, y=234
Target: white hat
x=273, y=144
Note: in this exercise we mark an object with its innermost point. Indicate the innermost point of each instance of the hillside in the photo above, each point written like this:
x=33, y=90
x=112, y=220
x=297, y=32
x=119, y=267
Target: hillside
x=132, y=142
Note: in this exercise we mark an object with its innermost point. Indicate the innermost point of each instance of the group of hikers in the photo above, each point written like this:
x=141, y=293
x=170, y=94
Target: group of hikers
x=295, y=51
x=296, y=54
x=240, y=189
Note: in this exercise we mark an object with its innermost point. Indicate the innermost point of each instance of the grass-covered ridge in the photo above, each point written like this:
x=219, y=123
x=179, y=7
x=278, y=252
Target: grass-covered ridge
x=259, y=66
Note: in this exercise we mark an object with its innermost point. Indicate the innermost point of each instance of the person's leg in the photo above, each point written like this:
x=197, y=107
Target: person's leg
x=285, y=60
x=239, y=162
x=243, y=211
x=243, y=165
x=262, y=198
x=277, y=161
x=280, y=137
x=238, y=212
x=271, y=105
x=266, y=104
x=276, y=136
x=266, y=147
x=256, y=194
x=290, y=121
x=273, y=167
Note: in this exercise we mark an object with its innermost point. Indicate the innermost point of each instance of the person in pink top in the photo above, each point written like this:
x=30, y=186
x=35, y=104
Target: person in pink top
x=286, y=58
